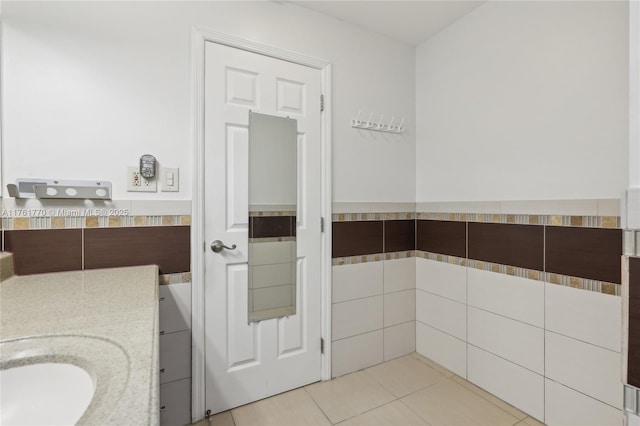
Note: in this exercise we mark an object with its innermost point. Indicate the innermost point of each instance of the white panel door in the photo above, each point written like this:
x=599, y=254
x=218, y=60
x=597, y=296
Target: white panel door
x=249, y=361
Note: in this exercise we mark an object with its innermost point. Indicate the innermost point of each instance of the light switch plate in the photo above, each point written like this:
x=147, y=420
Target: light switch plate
x=170, y=179
x=137, y=183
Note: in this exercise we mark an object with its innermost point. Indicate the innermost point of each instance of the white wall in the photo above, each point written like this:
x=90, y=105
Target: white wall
x=524, y=100
x=89, y=87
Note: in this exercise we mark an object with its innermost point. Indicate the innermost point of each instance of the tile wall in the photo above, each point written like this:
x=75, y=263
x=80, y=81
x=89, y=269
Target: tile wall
x=67, y=237
x=373, y=289
x=526, y=306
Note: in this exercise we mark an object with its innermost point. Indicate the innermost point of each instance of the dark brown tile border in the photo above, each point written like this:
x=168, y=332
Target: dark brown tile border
x=444, y=237
x=166, y=246
x=399, y=235
x=271, y=226
x=516, y=245
x=41, y=251
x=592, y=253
x=357, y=238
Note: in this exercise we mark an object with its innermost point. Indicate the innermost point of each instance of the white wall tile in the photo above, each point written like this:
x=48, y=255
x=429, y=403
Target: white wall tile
x=459, y=207
x=442, y=348
x=399, y=340
x=399, y=307
x=346, y=207
x=513, y=297
x=160, y=207
x=586, y=368
x=609, y=207
x=356, y=317
x=356, y=353
x=518, y=386
x=554, y=207
x=270, y=252
x=441, y=313
x=520, y=343
x=399, y=274
x=585, y=315
x=356, y=281
x=565, y=406
x=441, y=278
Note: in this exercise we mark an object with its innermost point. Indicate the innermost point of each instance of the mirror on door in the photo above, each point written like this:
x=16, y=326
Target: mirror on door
x=273, y=191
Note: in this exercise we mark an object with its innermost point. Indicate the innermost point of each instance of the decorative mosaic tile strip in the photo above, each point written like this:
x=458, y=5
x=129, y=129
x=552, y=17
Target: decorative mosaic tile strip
x=354, y=217
x=352, y=260
x=454, y=260
x=71, y=222
x=400, y=255
x=574, y=282
x=272, y=213
x=526, y=219
x=531, y=274
x=584, y=284
x=271, y=239
x=182, y=277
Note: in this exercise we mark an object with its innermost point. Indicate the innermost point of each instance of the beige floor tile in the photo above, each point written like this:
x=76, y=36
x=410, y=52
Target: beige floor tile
x=491, y=398
x=404, y=375
x=295, y=408
x=449, y=403
x=433, y=364
x=393, y=414
x=348, y=396
x=530, y=421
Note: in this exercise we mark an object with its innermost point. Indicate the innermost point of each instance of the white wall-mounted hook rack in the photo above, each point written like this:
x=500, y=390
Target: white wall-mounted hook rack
x=379, y=126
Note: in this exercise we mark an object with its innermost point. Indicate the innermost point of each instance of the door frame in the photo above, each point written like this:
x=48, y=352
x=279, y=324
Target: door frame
x=199, y=36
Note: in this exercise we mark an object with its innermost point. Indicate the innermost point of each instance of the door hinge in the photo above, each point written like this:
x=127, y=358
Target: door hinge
x=322, y=224
x=321, y=103
x=322, y=345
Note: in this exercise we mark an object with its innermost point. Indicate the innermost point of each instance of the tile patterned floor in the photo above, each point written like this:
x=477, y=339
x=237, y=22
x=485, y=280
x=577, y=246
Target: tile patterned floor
x=410, y=390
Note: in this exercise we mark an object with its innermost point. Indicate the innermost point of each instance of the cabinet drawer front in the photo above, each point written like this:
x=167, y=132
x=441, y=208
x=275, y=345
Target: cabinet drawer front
x=175, y=356
x=175, y=307
x=175, y=403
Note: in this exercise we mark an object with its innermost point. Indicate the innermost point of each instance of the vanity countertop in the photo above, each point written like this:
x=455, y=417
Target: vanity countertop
x=104, y=320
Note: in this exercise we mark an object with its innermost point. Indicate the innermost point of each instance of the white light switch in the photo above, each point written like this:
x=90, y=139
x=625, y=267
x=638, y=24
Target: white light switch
x=170, y=180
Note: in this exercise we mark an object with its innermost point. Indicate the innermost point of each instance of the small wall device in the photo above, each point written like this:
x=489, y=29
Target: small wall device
x=148, y=166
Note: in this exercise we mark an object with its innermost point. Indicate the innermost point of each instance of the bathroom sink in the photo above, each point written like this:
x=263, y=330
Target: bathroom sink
x=44, y=393
x=61, y=380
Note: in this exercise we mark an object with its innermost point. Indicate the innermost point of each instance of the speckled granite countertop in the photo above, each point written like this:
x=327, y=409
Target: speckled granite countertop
x=105, y=321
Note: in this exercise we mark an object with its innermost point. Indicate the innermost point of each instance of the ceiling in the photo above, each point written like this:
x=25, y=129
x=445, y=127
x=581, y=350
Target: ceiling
x=411, y=22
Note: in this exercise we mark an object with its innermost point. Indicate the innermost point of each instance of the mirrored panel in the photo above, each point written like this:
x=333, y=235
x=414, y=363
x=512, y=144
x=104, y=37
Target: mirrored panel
x=272, y=216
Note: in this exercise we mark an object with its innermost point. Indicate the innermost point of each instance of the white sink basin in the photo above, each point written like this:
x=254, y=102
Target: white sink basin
x=44, y=393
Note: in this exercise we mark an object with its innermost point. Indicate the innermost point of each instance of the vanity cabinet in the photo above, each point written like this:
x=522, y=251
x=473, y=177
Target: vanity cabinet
x=175, y=354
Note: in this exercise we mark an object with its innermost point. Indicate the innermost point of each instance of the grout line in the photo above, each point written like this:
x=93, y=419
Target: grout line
x=581, y=341
x=316, y=403
x=585, y=394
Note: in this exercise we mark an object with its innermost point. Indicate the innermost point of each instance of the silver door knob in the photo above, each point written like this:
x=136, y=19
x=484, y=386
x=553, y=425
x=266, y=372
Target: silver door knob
x=218, y=245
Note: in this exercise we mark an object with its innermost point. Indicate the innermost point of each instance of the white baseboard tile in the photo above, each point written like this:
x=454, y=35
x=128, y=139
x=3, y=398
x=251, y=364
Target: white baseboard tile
x=356, y=317
x=443, y=279
x=584, y=315
x=514, y=297
x=355, y=353
x=399, y=340
x=516, y=385
x=589, y=369
x=520, y=343
x=442, y=348
x=399, y=274
x=443, y=314
x=356, y=281
x=567, y=407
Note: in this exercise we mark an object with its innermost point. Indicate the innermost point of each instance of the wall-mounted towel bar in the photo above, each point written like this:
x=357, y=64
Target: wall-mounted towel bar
x=378, y=126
